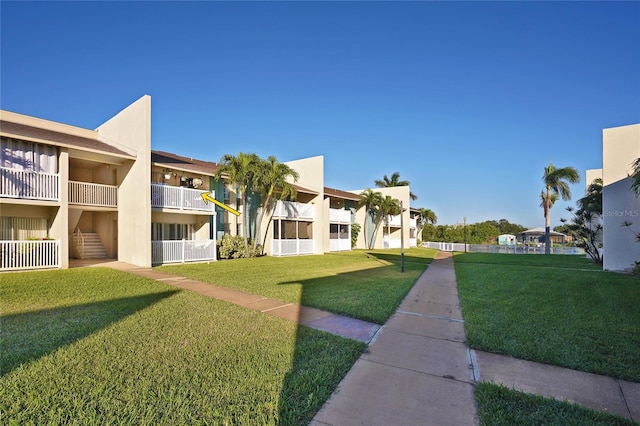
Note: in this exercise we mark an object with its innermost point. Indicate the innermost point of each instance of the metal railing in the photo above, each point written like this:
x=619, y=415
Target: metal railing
x=293, y=210
x=178, y=197
x=29, y=254
x=29, y=185
x=291, y=247
x=93, y=194
x=79, y=242
x=181, y=251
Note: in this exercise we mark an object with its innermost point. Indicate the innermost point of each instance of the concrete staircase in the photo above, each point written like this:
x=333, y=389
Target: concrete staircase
x=93, y=248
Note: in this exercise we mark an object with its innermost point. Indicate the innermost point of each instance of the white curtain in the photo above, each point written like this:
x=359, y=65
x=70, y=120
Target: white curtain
x=23, y=155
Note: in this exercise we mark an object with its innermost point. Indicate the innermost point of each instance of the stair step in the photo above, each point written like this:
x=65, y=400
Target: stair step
x=93, y=248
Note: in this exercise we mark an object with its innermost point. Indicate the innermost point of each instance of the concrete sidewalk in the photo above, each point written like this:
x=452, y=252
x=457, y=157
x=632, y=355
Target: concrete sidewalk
x=417, y=371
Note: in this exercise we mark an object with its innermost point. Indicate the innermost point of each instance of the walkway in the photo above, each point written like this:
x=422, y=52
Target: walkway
x=417, y=368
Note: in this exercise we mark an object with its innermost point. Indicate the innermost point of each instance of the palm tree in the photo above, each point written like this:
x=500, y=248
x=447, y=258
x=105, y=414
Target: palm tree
x=388, y=207
x=273, y=183
x=635, y=177
x=425, y=216
x=241, y=171
x=387, y=182
x=556, y=182
x=371, y=201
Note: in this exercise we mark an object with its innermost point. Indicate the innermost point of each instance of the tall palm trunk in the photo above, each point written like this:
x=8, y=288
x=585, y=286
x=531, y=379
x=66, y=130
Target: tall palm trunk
x=547, y=224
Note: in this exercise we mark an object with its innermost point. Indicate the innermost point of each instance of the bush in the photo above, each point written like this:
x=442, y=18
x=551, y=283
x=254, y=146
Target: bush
x=232, y=247
x=355, y=231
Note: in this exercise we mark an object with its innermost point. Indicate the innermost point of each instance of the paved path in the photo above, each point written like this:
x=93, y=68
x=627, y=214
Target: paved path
x=417, y=369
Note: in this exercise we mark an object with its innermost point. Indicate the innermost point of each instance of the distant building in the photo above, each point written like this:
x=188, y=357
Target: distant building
x=537, y=236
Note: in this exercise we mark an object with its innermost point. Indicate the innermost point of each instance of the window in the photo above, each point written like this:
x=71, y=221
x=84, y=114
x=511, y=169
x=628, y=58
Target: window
x=227, y=196
x=23, y=228
x=172, y=231
x=338, y=232
x=291, y=230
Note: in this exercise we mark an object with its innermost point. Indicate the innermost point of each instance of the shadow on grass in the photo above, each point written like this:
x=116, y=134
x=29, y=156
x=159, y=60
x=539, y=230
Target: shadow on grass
x=32, y=335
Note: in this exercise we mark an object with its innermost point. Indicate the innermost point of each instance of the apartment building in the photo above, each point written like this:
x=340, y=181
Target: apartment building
x=73, y=193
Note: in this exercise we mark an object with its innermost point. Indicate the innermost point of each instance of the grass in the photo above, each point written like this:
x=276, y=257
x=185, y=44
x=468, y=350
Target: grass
x=499, y=406
x=361, y=284
x=529, y=307
x=96, y=346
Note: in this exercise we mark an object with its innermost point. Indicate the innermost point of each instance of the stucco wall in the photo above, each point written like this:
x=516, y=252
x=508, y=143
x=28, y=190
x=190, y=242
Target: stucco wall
x=132, y=128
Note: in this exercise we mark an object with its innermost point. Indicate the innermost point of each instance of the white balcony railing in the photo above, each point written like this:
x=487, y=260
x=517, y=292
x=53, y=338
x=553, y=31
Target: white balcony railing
x=178, y=197
x=93, y=194
x=29, y=185
x=29, y=254
x=339, y=216
x=413, y=223
x=293, y=210
x=291, y=247
x=181, y=251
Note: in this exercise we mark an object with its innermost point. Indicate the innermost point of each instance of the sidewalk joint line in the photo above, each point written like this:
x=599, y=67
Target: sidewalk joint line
x=473, y=364
x=624, y=399
x=416, y=314
x=277, y=307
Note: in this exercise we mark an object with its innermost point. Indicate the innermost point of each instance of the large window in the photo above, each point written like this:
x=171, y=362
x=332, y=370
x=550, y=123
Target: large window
x=172, y=231
x=292, y=230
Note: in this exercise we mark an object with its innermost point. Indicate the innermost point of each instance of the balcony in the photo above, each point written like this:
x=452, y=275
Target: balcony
x=339, y=216
x=293, y=210
x=181, y=251
x=93, y=194
x=179, y=198
x=29, y=254
x=24, y=184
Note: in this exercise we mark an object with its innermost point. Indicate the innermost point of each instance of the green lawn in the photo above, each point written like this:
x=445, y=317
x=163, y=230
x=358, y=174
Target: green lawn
x=499, y=406
x=96, y=346
x=529, y=307
x=367, y=285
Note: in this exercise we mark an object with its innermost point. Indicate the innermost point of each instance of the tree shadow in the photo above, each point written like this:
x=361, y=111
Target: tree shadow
x=28, y=336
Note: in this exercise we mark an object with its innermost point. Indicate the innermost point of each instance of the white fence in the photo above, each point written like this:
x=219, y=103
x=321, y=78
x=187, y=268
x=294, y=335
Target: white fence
x=31, y=185
x=291, y=247
x=29, y=254
x=93, y=194
x=293, y=210
x=178, y=197
x=493, y=248
x=339, y=216
x=181, y=251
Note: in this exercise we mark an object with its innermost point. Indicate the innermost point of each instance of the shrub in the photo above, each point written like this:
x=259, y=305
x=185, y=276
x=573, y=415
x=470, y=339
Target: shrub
x=232, y=247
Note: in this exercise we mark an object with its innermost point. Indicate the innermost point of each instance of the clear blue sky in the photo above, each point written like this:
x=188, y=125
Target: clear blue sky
x=467, y=101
